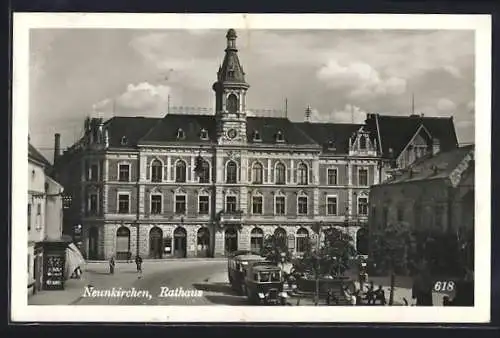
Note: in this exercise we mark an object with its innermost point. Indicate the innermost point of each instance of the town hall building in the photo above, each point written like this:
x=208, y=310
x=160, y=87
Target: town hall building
x=188, y=185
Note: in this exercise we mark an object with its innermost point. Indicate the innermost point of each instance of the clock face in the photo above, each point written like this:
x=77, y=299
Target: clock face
x=231, y=133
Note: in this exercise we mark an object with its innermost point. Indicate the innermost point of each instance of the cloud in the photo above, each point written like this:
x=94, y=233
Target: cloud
x=348, y=114
x=360, y=80
x=138, y=98
x=446, y=105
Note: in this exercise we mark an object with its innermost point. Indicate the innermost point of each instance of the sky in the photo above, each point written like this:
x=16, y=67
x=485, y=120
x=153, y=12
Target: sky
x=340, y=74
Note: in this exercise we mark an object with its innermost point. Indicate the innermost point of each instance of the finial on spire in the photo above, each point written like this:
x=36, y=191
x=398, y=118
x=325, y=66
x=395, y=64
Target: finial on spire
x=231, y=39
x=308, y=113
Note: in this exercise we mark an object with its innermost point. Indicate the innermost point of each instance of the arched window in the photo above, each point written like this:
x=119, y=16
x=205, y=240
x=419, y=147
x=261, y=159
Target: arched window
x=180, y=171
x=256, y=240
x=280, y=232
x=156, y=171
x=302, y=240
x=257, y=173
x=232, y=103
x=362, y=143
x=205, y=172
x=280, y=174
x=302, y=174
x=231, y=172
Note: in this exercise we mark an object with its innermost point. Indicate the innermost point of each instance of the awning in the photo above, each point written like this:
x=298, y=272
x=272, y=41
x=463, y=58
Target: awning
x=74, y=259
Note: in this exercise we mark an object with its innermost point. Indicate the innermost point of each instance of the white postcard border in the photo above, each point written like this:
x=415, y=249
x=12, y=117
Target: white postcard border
x=20, y=311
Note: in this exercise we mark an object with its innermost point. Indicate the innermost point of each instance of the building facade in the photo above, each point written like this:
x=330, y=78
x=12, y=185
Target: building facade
x=44, y=217
x=205, y=185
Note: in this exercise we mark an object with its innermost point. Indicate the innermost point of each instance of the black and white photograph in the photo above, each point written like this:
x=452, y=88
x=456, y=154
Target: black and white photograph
x=245, y=167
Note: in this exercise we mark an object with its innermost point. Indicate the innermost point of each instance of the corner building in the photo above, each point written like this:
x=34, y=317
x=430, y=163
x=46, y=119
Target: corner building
x=135, y=188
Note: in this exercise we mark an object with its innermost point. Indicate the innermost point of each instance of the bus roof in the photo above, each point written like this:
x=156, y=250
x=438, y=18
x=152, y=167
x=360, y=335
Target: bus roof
x=249, y=257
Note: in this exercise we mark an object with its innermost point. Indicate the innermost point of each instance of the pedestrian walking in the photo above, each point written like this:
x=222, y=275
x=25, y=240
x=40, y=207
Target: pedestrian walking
x=112, y=265
x=138, y=263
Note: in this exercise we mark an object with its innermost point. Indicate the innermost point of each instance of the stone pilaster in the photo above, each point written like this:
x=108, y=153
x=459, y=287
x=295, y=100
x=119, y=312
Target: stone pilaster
x=349, y=189
x=142, y=199
x=269, y=178
x=193, y=175
x=316, y=202
x=169, y=168
x=143, y=167
x=292, y=175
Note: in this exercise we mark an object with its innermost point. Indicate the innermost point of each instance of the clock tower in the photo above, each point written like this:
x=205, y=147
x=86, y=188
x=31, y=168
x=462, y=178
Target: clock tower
x=230, y=96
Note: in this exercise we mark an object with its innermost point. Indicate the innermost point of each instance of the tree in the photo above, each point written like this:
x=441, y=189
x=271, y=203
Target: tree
x=333, y=256
x=275, y=249
x=392, y=249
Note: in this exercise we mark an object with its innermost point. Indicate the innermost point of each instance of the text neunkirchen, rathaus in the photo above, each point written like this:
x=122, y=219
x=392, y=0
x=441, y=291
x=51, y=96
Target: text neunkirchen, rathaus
x=188, y=185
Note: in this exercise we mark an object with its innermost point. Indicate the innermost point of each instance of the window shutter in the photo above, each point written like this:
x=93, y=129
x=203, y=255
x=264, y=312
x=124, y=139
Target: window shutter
x=249, y=177
x=310, y=178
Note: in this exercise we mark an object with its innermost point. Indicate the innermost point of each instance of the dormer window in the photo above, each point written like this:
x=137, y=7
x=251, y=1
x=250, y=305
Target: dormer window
x=204, y=134
x=331, y=145
x=256, y=136
x=124, y=140
x=230, y=74
x=362, y=142
x=180, y=134
x=279, y=137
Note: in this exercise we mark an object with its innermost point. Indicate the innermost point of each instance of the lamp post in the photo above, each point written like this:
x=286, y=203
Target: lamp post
x=317, y=229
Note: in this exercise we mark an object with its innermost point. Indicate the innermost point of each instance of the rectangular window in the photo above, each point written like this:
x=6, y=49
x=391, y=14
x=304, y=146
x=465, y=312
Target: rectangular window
x=363, y=177
x=231, y=204
x=400, y=213
x=363, y=206
x=280, y=205
x=39, y=209
x=302, y=205
x=156, y=204
x=257, y=205
x=124, y=173
x=332, y=176
x=123, y=203
x=203, y=205
x=331, y=205
x=180, y=204
x=29, y=216
x=94, y=172
x=93, y=203
x=438, y=216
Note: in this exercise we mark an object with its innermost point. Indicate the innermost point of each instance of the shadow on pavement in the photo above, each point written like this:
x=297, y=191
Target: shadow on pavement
x=214, y=287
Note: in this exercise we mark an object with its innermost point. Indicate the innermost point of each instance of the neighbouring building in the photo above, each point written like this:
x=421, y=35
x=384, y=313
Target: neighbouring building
x=205, y=185
x=435, y=195
x=44, y=215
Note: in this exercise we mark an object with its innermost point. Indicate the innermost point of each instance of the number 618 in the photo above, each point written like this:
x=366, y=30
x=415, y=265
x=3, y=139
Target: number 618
x=443, y=286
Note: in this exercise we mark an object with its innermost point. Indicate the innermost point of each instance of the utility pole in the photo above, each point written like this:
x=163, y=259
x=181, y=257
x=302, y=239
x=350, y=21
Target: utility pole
x=286, y=107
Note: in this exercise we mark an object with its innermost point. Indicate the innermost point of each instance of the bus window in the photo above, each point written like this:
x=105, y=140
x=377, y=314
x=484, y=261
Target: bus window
x=264, y=277
x=275, y=276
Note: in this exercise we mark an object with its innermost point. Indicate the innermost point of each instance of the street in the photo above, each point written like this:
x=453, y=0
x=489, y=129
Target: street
x=189, y=277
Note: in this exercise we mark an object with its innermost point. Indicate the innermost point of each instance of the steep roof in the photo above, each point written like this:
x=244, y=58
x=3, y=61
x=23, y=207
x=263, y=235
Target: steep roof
x=434, y=167
x=35, y=155
x=231, y=70
x=396, y=131
x=166, y=129
x=268, y=128
x=132, y=128
x=333, y=137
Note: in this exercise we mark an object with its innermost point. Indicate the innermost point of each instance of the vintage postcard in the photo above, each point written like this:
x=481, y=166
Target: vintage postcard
x=251, y=168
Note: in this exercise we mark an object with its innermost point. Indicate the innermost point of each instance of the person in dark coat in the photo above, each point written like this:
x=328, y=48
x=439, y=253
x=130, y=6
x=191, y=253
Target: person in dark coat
x=112, y=265
x=138, y=263
x=380, y=296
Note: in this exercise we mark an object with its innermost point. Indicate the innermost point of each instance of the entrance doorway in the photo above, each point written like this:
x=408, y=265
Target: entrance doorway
x=231, y=240
x=203, y=242
x=122, y=243
x=155, y=243
x=180, y=242
x=93, y=243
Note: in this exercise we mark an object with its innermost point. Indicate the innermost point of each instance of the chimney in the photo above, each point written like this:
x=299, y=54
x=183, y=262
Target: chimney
x=57, y=146
x=436, y=147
